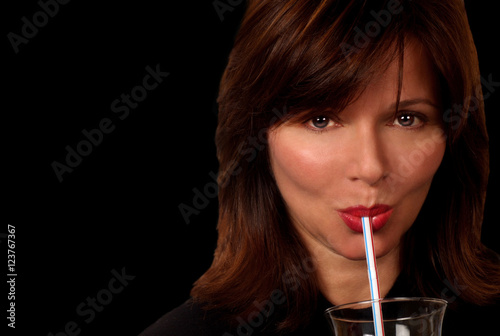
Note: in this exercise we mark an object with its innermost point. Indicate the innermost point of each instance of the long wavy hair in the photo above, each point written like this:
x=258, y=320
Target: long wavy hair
x=294, y=56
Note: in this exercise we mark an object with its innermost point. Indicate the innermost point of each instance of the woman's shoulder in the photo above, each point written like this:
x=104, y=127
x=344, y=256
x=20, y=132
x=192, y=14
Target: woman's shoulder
x=189, y=319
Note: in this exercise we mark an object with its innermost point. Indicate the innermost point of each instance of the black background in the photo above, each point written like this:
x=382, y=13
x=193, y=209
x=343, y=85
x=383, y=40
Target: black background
x=119, y=208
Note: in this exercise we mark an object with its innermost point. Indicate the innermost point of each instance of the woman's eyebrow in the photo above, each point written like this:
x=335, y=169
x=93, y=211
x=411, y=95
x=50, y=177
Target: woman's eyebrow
x=409, y=102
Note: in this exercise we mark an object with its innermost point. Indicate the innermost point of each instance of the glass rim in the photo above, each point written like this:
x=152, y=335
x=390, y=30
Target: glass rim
x=443, y=303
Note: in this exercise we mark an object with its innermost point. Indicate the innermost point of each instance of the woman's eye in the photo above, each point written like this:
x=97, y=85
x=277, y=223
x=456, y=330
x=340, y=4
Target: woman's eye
x=320, y=122
x=408, y=120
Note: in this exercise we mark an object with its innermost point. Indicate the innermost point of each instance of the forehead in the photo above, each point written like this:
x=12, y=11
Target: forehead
x=379, y=90
x=418, y=74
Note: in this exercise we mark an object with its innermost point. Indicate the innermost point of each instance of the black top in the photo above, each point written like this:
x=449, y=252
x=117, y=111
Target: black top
x=461, y=318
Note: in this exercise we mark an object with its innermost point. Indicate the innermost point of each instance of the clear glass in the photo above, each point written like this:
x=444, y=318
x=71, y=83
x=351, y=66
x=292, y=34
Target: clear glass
x=402, y=317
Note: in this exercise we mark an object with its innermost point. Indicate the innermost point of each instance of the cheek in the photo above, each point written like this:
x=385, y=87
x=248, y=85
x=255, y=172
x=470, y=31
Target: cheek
x=303, y=165
x=311, y=169
x=416, y=163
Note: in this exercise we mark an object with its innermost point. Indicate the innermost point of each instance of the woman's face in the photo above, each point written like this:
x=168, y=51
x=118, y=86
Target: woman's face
x=331, y=171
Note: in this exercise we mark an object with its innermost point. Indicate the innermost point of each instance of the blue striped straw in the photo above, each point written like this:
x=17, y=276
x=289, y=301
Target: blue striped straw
x=373, y=276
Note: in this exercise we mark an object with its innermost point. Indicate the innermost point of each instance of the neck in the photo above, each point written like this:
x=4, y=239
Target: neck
x=342, y=280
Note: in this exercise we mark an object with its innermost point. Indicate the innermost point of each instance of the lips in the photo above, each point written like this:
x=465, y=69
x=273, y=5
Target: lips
x=380, y=214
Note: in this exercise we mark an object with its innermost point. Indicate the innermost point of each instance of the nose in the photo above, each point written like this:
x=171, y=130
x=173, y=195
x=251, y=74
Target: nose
x=368, y=157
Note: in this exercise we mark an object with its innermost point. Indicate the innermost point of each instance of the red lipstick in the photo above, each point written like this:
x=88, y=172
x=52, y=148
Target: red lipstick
x=380, y=214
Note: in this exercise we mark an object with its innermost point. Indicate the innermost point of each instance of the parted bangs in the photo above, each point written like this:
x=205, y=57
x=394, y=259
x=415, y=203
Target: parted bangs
x=318, y=55
x=310, y=56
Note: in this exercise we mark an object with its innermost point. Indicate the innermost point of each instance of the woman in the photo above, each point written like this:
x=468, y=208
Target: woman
x=333, y=110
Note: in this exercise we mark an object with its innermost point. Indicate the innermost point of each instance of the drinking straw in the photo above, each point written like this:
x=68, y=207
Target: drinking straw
x=373, y=276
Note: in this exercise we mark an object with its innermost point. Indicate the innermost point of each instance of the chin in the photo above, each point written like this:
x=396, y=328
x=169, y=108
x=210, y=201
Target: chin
x=354, y=248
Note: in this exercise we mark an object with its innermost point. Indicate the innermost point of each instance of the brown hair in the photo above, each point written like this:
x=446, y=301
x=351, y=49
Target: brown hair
x=295, y=56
